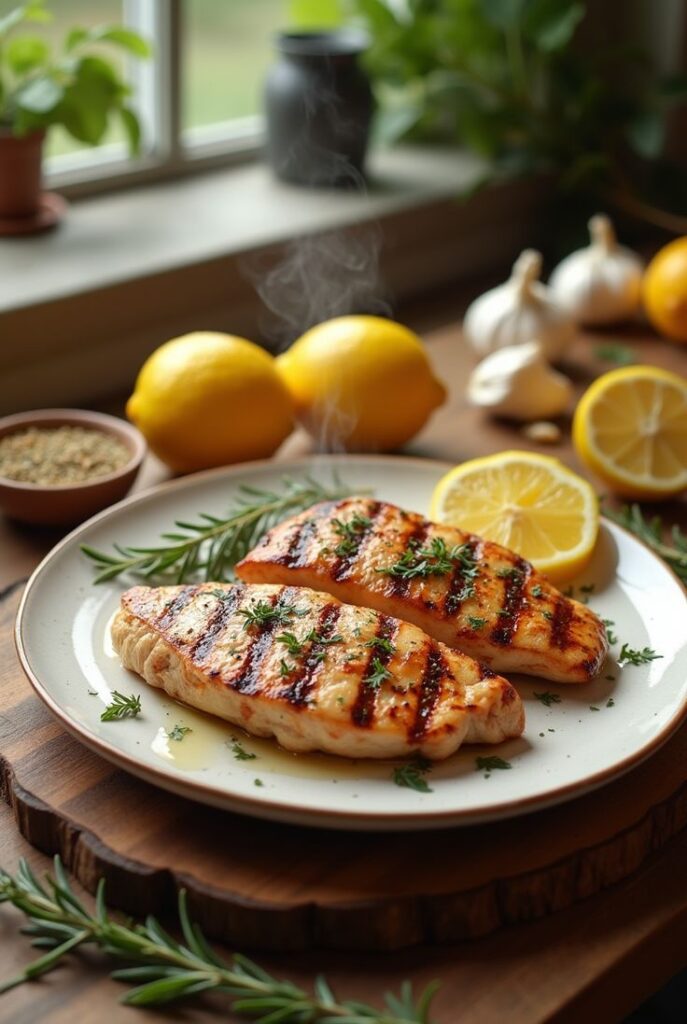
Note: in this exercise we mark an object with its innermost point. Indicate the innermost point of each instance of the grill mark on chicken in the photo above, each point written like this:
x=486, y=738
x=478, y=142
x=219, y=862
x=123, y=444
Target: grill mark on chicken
x=226, y=606
x=171, y=610
x=430, y=688
x=413, y=541
x=560, y=626
x=247, y=679
x=458, y=584
x=299, y=691
x=513, y=600
x=295, y=556
x=345, y=563
x=363, y=710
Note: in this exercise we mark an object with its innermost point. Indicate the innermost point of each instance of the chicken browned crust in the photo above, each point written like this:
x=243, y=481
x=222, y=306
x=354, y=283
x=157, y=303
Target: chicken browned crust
x=312, y=672
x=471, y=594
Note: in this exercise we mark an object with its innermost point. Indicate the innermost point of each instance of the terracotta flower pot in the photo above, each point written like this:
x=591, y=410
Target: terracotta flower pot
x=20, y=174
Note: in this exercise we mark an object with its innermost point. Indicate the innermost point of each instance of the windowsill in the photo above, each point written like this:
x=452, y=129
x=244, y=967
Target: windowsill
x=82, y=307
x=156, y=228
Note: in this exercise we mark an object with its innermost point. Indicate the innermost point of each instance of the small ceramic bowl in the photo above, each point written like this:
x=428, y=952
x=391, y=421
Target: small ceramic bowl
x=60, y=506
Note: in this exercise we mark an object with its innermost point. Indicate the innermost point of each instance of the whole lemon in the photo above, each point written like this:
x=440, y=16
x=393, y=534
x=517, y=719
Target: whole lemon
x=665, y=290
x=363, y=383
x=208, y=399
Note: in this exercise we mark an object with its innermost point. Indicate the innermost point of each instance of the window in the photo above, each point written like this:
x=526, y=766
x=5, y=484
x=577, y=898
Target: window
x=199, y=98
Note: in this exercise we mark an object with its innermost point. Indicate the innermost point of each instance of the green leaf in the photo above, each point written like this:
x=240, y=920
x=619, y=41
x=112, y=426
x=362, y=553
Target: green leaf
x=25, y=53
x=125, y=38
x=132, y=127
x=551, y=24
x=76, y=36
x=646, y=133
x=40, y=95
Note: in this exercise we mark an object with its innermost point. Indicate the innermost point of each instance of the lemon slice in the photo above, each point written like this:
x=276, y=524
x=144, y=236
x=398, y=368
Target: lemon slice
x=630, y=427
x=530, y=503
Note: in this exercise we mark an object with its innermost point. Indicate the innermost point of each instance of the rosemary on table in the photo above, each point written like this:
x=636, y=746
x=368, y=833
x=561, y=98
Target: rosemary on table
x=210, y=548
x=651, y=532
x=163, y=970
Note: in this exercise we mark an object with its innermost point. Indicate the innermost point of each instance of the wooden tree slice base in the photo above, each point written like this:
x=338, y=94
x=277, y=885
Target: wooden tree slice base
x=277, y=887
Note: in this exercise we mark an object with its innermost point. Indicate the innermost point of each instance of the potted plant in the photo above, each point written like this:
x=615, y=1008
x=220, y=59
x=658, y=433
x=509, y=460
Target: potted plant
x=76, y=88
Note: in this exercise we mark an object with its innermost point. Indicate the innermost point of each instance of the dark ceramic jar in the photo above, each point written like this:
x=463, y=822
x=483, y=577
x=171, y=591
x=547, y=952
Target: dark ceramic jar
x=319, y=108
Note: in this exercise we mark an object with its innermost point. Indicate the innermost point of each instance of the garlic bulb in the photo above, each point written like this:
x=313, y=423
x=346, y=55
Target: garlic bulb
x=521, y=309
x=602, y=283
x=517, y=382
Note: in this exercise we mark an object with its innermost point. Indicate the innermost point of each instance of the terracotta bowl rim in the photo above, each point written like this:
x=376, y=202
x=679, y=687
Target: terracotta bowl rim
x=128, y=434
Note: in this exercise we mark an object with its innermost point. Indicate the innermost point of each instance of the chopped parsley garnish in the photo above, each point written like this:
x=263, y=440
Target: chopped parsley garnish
x=379, y=674
x=475, y=622
x=258, y=782
x=610, y=635
x=291, y=642
x=610, y=703
x=381, y=643
x=592, y=707
x=411, y=775
x=629, y=656
x=350, y=533
x=537, y=590
x=435, y=560
x=490, y=764
x=510, y=573
x=239, y=753
x=547, y=698
x=178, y=732
x=547, y=615
x=121, y=707
x=263, y=613
x=285, y=669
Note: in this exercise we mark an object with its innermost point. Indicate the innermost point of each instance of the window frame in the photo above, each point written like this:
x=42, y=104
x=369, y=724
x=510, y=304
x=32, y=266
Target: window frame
x=172, y=152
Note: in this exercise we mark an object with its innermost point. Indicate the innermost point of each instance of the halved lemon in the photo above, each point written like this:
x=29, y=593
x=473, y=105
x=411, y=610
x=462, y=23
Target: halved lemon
x=630, y=428
x=530, y=503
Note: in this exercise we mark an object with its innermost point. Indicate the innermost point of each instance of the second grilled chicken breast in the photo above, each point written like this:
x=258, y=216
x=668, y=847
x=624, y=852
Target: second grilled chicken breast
x=469, y=593
x=315, y=673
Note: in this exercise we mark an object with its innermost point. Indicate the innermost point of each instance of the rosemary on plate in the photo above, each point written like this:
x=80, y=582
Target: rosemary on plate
x=210, y=548
x=121, y=707
x=163, y=970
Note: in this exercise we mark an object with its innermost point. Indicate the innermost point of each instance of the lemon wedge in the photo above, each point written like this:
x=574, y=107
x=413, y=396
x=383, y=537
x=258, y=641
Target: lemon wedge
x=530, y=503
x=630, y=428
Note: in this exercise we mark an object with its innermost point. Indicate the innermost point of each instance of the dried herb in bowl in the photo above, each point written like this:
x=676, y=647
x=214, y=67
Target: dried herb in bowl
x=60, y=456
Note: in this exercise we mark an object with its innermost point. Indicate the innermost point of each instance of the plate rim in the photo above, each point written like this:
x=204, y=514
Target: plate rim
x=276, y=810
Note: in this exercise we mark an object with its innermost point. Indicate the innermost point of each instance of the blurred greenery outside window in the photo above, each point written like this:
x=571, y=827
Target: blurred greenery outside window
x=200, y=97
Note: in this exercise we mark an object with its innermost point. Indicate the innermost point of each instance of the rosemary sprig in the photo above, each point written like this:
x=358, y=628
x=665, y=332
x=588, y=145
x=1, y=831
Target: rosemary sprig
x=210, y=548
x=121, y=707
x=651, y=532
x=166, y=970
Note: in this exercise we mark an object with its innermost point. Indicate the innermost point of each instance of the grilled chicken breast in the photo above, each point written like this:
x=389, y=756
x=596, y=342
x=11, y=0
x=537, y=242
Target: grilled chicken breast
x=314, y=673
x=468, y=593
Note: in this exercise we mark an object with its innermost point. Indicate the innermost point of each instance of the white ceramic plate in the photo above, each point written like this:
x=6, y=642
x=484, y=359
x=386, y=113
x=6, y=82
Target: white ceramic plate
x=594, y=734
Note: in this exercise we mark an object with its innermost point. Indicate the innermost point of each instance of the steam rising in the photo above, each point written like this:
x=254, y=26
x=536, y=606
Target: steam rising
x=319, y=277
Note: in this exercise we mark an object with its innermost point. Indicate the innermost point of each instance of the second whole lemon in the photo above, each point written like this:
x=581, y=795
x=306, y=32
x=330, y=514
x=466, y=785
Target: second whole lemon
x=664, y=290
x=210, y=399
x=361, y=383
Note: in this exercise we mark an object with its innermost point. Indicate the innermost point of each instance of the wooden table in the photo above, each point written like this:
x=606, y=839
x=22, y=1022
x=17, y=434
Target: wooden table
x=595, y=961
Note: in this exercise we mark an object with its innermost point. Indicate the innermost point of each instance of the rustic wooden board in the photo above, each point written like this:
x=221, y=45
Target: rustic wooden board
x=281, y=887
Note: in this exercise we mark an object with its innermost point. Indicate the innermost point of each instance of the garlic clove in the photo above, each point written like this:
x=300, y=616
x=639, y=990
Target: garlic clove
x=600, y=284
x=518, y=310
x=518, y=383
x=542, y=432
